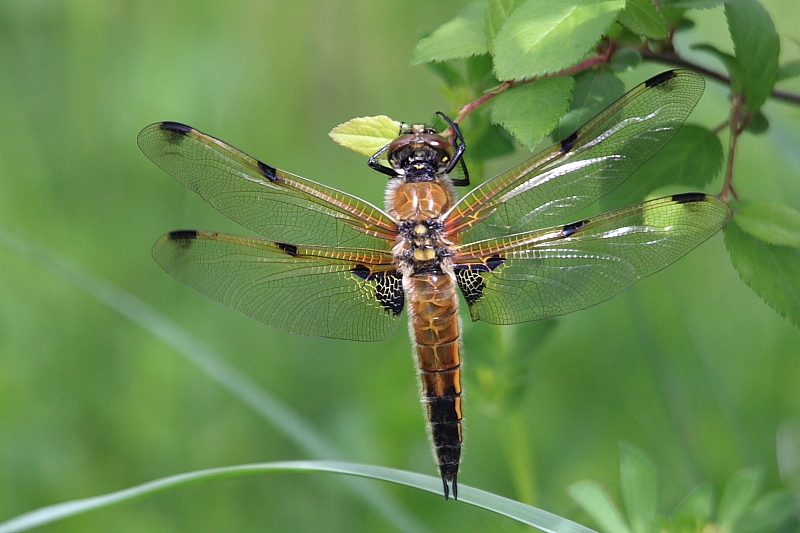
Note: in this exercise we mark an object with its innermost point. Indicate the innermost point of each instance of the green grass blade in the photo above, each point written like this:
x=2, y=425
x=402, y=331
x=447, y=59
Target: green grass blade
x=467, y=495
x=261, y=401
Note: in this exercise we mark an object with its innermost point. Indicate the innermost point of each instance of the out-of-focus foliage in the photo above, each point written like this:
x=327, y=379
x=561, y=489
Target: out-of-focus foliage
x=690, y=366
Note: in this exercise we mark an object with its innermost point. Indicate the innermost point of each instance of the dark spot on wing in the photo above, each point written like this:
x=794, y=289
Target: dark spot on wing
x=183, y=237
x=267, y=170
x=569, y=229
x=566, y=144
x=176, y=127
x=290, y=249
x=174, y=132
x=471, y=284
x=361, y=271
x=688, y=197
x=658, y=79
x=182, y=234
x=494, y=262
x=389, y=292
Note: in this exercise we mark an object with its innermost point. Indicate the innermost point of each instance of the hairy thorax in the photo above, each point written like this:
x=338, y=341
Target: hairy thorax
x=419, y=208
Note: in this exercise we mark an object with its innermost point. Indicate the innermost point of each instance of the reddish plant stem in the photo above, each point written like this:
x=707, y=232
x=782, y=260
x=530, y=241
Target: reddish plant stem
x=586, y=64
x=737, y=124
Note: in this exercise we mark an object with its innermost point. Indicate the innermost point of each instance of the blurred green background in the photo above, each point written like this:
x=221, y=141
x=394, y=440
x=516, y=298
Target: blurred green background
x=689, y=365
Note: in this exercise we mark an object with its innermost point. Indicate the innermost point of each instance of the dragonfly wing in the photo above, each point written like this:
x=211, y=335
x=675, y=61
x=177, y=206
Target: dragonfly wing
x=582, y=168
x=311, y=290
x=556, y=271
x=271, y=202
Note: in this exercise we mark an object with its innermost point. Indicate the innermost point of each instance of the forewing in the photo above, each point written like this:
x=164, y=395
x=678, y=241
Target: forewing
x=317, y=291
x=566, y=268
x=271, y=202
x=585, y=166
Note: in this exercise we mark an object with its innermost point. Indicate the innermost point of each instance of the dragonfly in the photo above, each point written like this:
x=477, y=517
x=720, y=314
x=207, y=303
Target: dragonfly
x=329, y=264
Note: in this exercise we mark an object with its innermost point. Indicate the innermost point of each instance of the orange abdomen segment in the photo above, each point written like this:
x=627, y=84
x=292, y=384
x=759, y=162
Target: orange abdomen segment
x=434, y=327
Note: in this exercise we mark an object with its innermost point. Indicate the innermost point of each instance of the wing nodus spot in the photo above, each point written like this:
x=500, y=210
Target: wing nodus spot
x=362, y=272
x=688, y=197
x=658, y=79
x=290, y=249
x=494, y=262
x=566, y=144
x=569, y=229
x=268, y=171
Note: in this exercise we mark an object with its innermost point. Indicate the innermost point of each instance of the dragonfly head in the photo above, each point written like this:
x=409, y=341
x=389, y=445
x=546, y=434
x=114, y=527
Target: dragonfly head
x=419, y=153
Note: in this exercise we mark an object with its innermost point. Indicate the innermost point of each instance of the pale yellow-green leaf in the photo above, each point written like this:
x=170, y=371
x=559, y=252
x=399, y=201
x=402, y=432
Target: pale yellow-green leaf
x=366, y=135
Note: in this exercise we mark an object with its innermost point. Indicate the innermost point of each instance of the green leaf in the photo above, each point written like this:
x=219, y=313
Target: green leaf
x=771, y=223
x=739, y=492
x=696, y=507
x=445, y=70
x=466, y=495
x=594, y=91
x=489, y=140
x=789, y=70
x=769, y=513
x=464, y=36
x=529, y=111
x=693, y=4
x=758, y=124
x=730, y=62
x=542, y=36
x=771, y=271
x=692, y=158
x=497, y=11
x=644, y=18
x=639, y=488
x=756, y=46
x=594, y=500
x=366, y=135
x=625, y=59
x=478, y=72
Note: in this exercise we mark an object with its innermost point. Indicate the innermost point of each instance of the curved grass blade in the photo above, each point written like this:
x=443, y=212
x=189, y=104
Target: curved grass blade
x=517, y=511
x=269, y=407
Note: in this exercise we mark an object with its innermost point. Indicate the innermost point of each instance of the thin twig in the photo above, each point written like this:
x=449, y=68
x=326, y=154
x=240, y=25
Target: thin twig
x=675, y=60
x=737, y=125
x=586, y=64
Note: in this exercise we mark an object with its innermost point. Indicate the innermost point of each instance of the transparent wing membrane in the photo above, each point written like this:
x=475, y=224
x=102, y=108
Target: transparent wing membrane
x=270, y=202
x=559, y=270
x=314, y=291
x=585, y=166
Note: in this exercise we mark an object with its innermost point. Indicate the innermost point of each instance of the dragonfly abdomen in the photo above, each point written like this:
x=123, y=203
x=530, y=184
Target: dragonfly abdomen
x=434, y=327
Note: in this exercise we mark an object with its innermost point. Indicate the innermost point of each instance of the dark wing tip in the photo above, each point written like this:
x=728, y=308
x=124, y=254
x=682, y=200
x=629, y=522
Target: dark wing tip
x=658, y=79
x=182, y=235
x=175, y=127
x=688, y=197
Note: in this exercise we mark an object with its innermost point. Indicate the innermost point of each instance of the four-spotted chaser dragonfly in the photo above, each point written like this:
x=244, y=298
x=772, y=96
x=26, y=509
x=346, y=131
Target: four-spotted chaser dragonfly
x=333, y=265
